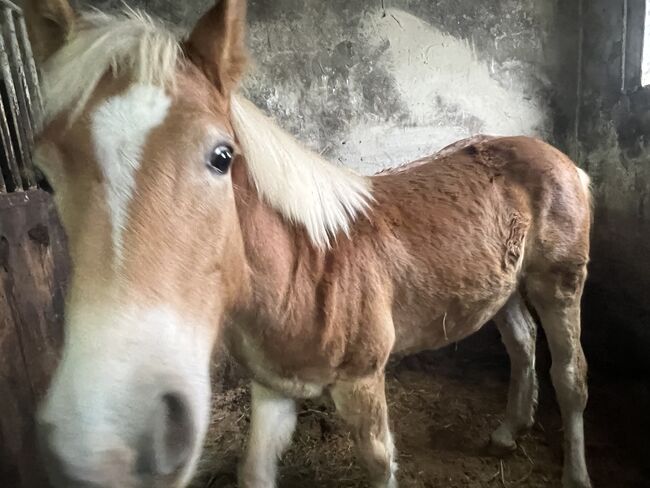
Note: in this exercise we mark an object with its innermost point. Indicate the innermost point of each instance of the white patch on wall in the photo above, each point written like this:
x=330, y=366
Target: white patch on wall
x=645, y=63
x=120, y=127
x=449, y=92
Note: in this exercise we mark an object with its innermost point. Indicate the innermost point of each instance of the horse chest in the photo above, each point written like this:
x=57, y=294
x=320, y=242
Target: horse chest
x=252, y=356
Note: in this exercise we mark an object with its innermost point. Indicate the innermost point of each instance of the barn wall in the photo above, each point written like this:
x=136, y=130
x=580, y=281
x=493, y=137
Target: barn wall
x=612, y=141
x=375, y=83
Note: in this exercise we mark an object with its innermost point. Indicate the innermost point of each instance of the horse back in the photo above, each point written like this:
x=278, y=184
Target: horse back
x=485, y=185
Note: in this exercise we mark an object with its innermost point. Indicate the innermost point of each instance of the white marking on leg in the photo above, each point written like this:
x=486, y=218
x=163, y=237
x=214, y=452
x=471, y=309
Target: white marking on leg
x=577, y=464
x=120, y=127
x=566, y=382
x=273, y=421
x=390, y=448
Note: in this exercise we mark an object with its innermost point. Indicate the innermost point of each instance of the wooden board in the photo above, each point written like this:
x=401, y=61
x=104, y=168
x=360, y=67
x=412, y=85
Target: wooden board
x=33, y=276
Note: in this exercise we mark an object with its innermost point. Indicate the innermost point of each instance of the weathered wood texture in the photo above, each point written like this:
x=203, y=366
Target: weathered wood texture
x=33, y=272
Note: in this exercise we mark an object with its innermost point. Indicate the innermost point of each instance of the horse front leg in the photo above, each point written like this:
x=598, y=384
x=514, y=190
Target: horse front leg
x=362, y=404
x=273, y=420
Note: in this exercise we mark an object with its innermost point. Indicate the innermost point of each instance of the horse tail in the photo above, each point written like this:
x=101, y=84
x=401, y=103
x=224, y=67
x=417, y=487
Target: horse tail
x=585, y=182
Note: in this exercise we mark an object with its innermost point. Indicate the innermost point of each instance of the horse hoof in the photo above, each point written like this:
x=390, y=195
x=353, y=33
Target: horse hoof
x=391, y=483
x=500, y=451
x=572, y=483
x=501, y=446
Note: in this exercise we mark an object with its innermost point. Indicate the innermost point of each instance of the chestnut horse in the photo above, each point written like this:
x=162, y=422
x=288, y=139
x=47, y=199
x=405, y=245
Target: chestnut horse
x=193, y=220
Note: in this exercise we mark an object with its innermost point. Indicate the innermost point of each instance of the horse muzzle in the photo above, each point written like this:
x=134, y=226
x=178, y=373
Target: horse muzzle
x=158, y=455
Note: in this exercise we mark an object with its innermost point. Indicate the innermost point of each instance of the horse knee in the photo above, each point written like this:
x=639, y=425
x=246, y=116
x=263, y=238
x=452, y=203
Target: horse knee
x=557, y=288
x=570, y=382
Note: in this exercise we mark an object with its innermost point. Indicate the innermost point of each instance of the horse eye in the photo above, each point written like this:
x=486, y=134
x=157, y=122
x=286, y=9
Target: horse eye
x=220, y=158
x=42, y=181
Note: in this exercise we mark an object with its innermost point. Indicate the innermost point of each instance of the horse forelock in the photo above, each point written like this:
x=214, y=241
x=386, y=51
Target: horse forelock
x=130, y=44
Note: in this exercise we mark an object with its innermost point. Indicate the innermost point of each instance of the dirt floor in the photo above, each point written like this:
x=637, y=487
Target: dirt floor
x=443, y=407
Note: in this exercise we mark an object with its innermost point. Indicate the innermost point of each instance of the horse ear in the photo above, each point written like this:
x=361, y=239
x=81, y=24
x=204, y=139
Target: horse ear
x=50, y=23
x=217, y=45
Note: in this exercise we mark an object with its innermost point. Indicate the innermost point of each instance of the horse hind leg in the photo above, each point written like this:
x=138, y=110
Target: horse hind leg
x=362, y=404
x=555, y=294
x=518, y=332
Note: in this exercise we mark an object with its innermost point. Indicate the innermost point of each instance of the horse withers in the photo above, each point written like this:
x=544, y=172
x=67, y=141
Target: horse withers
x=194, y=220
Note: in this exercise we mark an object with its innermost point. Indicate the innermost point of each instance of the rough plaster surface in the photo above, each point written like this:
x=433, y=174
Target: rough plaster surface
x=373, y=84
x=612, y=141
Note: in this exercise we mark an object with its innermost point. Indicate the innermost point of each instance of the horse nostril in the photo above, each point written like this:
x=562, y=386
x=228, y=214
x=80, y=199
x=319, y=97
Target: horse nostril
x=173, y=435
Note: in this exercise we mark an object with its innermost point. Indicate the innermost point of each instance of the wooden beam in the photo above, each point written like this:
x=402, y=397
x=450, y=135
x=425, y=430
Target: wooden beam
x=33, y=276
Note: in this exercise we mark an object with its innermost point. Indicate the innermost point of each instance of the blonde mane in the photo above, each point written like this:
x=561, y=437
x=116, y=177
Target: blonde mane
x=128, y=43
x=302, y=186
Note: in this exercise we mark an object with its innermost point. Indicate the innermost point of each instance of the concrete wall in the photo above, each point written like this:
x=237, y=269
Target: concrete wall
x=374, y=83
x=612, y=139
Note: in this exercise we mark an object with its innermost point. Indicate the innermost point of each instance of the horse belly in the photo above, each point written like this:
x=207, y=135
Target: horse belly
x=426, y=327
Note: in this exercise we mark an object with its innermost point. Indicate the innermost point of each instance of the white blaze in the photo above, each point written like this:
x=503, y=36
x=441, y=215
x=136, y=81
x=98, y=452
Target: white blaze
x=120, y=127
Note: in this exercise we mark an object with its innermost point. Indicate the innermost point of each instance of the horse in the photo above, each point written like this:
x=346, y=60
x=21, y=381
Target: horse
x=194, y=221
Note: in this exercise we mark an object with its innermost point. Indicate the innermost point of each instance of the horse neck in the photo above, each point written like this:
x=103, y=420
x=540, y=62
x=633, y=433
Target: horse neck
x=281, y=259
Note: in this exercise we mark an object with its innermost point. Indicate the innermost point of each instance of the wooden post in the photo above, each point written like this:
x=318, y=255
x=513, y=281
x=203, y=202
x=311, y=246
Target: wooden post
x=33, y=275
